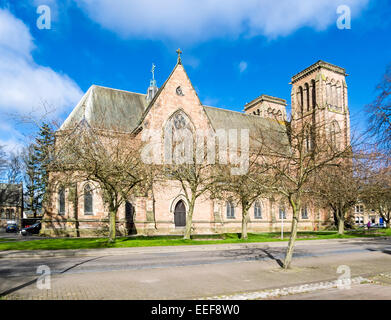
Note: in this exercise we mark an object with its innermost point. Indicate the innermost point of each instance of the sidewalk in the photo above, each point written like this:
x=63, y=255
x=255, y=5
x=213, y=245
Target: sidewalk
x=23, y=254
x=232, y=280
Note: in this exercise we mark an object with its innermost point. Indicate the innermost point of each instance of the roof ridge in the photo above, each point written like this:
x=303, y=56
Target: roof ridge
x=121, y=90
x=243, y=114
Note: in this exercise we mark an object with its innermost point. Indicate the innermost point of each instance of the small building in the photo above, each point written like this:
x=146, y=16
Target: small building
x=11, y=203
x=363, y=215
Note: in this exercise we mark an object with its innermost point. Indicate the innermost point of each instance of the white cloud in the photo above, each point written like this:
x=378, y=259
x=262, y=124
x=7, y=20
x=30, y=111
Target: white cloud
x=11, y=139
x=243, y=66
x=25, y=85
x=14, y=35
x=190, y=21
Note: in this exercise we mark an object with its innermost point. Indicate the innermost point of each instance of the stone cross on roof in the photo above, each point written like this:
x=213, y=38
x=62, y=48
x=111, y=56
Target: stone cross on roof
x=179, y=52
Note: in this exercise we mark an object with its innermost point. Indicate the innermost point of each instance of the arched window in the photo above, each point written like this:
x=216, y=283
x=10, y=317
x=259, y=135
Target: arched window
x=300, y=100
x=257, y=210
x=339, y=96
x=334, y=135
x=328, y=94
x=281, y=212
x=313, y=94
x=179, y=138
x=61, y=201
x=308, y=139
x=230, y=210
x=8, y=213
x=334, y=93
x=307, y=97
x=88, y=200
x=2, y=215
x=304, y=212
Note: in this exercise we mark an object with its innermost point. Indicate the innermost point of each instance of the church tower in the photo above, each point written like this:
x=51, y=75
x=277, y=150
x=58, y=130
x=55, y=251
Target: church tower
x=320, y=99
x=267, y=107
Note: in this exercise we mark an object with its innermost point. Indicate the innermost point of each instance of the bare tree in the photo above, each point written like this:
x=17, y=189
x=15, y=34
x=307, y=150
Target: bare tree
x=376, y=193
x=246, y=188
x=3, y=161
x=15, y=168
x=380, y=112
x=296, y=161
x=338, y=188
x=110, y=159
x=195, y=177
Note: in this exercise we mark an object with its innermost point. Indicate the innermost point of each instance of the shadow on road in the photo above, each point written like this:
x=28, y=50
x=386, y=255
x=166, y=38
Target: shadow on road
x=26, y=284
x=272, y=257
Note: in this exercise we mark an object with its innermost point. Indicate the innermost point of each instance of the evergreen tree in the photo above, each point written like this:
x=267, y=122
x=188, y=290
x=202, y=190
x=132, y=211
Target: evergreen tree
x=36, y=161
x=31, y=179
x=43, y=151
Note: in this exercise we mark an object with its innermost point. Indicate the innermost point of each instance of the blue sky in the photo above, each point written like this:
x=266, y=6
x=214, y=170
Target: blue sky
x=233, y=50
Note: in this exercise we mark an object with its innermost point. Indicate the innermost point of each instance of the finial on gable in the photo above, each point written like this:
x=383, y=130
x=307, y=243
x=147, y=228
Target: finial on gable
x=179, y=52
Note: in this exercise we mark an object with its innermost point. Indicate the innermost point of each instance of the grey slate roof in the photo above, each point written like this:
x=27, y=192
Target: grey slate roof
x=109, y=109
x=11, y=195
x=267, y=131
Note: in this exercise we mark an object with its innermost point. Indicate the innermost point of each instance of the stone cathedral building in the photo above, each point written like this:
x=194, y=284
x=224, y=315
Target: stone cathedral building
x=319, y=92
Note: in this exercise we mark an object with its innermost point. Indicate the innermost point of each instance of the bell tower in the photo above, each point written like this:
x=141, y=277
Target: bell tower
x=320, y=99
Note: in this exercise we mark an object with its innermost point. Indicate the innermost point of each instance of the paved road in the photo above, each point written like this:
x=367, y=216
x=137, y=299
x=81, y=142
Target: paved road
x=190, y=274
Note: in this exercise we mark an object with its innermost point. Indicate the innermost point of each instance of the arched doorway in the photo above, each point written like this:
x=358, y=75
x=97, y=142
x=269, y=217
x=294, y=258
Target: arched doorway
x=180, y=214
x=129, y=218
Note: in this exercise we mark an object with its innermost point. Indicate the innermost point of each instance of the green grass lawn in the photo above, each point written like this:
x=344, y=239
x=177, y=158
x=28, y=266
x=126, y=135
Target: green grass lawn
x=142, y=241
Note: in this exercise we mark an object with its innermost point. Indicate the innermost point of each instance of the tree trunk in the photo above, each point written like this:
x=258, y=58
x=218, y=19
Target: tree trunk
x=245, y=219
x=341, y=225
x=189, y=220
x=341, y=221
x=112, y=225
x=76, y=211
x=292, y=240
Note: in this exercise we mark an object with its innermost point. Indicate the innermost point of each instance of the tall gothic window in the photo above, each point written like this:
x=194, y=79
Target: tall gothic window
x=230, y=210
x=307, y=97
x=313, y=87
x=334, y=97
x=301, y=100
x=61, y=201
x=334, y=134
x=328, y=94
x=308, y=140
x=88, y=200
x=179, y=139
x=257, y=210
x=304, y=212
x=281, y=212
